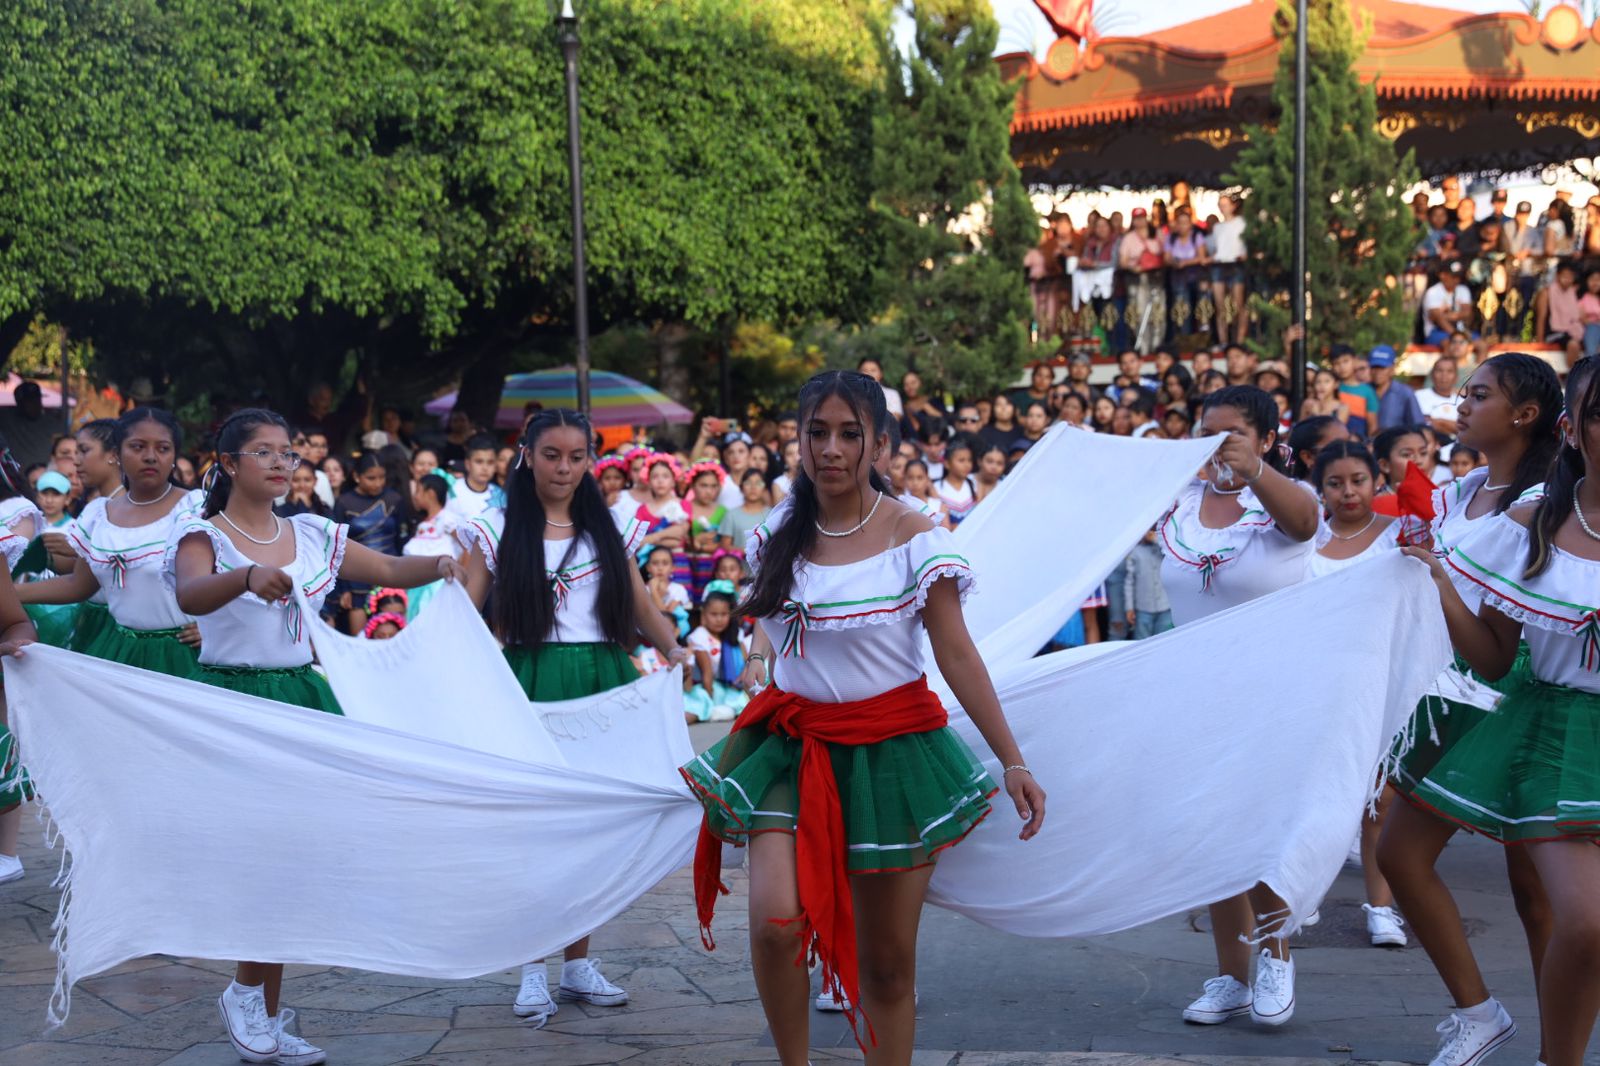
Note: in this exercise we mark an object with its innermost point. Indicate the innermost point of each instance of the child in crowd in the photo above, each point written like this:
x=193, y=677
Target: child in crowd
x=1464, y=460
x=955, y=490
x=476, y=491
x=712, y=694
x=386, y=601
x=919, y=493
x=737, y=522
x=1148, y=611
x=705, y=519
x=55, y=492
x=384, y=626
x=669, y=597
x=731, y=570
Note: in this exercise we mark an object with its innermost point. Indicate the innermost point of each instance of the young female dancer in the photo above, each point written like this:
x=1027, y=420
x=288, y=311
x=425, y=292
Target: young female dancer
x=16, y=631
x=1529, y=774
x=568, y=600
x=1347, y=476
x=121, y=544
x=1509, y=410
x=1243, y=529
x=236, y=567
x=849, y=732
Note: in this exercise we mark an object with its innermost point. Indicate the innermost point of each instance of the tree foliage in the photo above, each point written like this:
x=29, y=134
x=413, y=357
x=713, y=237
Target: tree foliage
x=1359, y=231
x=265, y=192
x=954, y=217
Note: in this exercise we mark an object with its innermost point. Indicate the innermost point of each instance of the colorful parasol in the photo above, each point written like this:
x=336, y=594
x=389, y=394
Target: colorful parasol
x=614, y=400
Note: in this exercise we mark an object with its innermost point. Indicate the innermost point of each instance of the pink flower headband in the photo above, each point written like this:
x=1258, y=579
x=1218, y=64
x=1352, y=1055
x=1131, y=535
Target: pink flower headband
x=671, y=461
x=387, y=618
x=706, y=466
x=611, y=462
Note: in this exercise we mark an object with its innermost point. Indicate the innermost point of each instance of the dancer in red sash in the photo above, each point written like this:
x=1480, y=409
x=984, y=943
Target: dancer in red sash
x=849, y=731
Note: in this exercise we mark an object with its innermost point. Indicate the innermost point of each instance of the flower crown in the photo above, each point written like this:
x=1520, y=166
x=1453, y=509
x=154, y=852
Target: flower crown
x=378, y=595
x=387, y=618
x=706, y=466
x=671, y=461
x=611, y=462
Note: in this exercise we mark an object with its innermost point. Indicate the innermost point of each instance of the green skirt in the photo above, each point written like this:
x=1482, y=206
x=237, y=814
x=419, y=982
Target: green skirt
x=298, y=686
x=554, y=672
x=904, y=799
x=54, y=622
x=92, y=619
x=1530, y=771
x=1438, y=724
x=159, y=650
x=15, y=785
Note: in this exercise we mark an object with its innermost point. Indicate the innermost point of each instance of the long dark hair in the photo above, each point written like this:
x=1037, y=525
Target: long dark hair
x=795, y=538
x=230, y=438
x=1341, y=449
x=1302, y=440
x=731, y=664
x=124, y=425
x=1583, y=406
x=524, y=608
x=1529, y=379
x=1260, y=412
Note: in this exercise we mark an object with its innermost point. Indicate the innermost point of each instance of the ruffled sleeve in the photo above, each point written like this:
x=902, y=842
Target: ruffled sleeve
x=483, y=532
x=889, y=588
x=633, y=533
x=16, y=510
x=187, y=526
x=320, y=542
x=1492, y=558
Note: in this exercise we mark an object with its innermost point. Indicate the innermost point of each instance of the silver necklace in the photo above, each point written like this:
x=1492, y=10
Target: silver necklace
x=277, y=525
x=559, y=525
x=1357, y=533
x=1583, y=523
x=1212, y=485
x=147, y=503
x=1494, y=488
x=858, y=527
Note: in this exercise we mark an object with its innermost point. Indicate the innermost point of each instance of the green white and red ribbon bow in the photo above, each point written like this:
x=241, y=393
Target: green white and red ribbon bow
x=293, y=620
x=1208, y=570
x=560, y=586
x=797, y=618
x=119, y=569
x=1588, y=629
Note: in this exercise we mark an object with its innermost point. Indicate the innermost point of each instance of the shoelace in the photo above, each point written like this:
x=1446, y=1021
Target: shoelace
x=1271, y=974
x=255, y=1015
x=1386, y=912
x=532, y=982
x=288, y=1042
x=1217, y=987
x=1450, y=1031
x=592, y=972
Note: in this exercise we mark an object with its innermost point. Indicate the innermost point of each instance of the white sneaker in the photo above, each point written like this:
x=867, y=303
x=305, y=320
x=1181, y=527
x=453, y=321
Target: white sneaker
x=722, y=713
x=1312, y=919
x=1272, y=997
x=1383, y=926
x=1465, y=1042
x=533, y=998
x=581, y=979
x=252, y=1033
x=293, y=1051
x=832, y=1002
x=1223, y=998
x=10, y=868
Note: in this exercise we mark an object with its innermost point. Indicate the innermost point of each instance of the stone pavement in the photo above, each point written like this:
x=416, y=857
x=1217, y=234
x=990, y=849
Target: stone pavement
x=988, y=998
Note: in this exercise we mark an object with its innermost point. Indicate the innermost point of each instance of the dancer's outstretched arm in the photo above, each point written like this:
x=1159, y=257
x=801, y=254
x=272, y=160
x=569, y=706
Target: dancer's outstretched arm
x=968, y=678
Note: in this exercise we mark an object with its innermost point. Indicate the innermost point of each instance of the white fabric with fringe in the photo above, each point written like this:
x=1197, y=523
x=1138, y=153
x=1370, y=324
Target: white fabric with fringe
x=1156, y=754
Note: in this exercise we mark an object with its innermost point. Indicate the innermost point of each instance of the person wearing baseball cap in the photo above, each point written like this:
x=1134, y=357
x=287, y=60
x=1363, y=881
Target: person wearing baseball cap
x=1397, y=401
x=55, y=492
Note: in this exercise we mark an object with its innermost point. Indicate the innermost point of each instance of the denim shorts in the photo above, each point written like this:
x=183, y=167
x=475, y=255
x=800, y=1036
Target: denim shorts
x=1227, y=273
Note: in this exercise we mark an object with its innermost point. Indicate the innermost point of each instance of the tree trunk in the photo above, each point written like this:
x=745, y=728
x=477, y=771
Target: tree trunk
x=483, y=382
x=672, y=374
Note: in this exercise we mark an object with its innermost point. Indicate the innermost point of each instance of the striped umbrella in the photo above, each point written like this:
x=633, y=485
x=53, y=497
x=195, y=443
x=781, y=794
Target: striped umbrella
x=614, y=400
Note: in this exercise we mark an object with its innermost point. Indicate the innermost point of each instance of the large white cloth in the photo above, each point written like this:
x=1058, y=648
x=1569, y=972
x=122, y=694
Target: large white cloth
x=1156, y=754
x=1073, y=508
x=288, y=835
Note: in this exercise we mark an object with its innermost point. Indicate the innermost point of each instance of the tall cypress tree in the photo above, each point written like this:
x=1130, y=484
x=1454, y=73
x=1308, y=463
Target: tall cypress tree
x=1359, y=230
x=954, y=217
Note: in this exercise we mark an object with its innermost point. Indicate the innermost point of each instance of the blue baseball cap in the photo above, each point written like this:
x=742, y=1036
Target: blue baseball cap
x=1382, y=355
x=53, y=481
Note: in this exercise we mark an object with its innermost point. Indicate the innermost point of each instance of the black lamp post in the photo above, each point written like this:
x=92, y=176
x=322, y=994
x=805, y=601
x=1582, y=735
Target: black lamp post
x=567, y=22
x=1297, y=290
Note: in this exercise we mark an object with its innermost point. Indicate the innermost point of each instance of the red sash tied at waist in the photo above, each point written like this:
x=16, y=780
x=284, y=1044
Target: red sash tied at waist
x=827, y=918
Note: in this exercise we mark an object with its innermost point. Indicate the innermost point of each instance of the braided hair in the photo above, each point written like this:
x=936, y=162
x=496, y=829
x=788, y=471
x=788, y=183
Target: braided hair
x=1583, y=407
x=231, y=437
x=122, y=427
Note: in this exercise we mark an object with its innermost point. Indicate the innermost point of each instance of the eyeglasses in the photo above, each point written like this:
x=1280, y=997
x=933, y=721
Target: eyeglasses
x=290, y=460
x=968, y=418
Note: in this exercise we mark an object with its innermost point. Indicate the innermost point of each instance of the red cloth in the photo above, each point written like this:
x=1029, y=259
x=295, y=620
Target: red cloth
x=827, y=918
x=1411, y=499
x=1071, y=18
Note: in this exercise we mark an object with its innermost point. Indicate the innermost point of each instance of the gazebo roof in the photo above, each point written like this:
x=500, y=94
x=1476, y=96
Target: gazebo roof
x=1466, y=91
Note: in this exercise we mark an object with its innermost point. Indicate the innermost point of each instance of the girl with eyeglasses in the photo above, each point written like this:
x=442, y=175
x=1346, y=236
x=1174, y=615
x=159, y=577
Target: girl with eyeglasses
x=237, y=567
x=567, y=603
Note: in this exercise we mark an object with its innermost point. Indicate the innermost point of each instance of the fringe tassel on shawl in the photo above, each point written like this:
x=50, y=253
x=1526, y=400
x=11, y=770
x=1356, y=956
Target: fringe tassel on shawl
x=60, y=1004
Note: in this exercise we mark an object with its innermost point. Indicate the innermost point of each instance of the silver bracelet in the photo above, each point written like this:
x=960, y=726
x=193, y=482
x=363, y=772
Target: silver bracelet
x=1261, y=468
x=1019, y=766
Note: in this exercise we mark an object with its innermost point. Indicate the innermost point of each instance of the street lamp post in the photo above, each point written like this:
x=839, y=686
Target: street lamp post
x=567, y=21
x=1297, y=291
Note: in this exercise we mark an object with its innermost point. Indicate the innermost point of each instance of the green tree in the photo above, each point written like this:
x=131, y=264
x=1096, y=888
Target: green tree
x=1359, y=230
x=227, y=194
x=953, y=215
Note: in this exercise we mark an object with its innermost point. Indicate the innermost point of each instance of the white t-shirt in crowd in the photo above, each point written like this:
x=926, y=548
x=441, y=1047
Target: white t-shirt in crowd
x=1435, y=405
x=1438, y=296
x=1227, y=240
x=466, y=503
x=892, y=398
